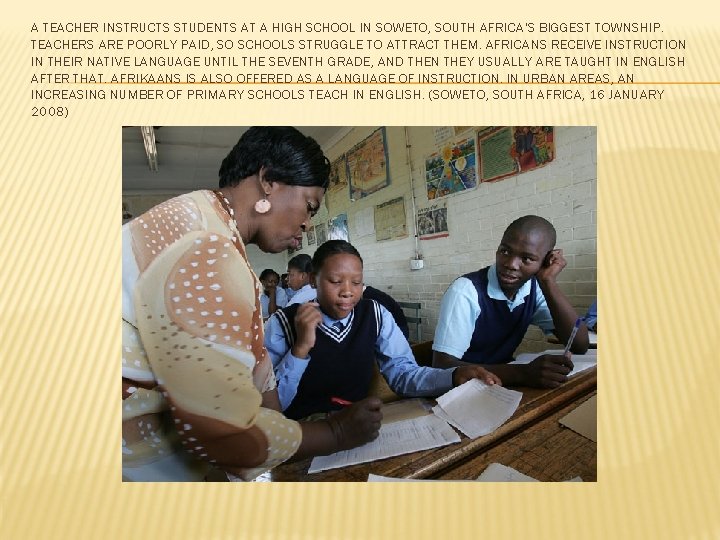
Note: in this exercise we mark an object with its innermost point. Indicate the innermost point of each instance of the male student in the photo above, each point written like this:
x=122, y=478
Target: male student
x=484, y=315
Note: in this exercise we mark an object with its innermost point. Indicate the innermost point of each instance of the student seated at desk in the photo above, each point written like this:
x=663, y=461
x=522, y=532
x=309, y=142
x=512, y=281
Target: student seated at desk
x=484, y=315
x=325, y=350
x=299, y=269
x=272, y=297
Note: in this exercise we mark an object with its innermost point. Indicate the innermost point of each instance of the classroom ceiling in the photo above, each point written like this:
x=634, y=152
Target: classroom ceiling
x=189, y=157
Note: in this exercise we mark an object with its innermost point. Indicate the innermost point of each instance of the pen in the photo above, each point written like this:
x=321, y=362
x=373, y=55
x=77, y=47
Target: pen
x=572, y=335
x=340, y=401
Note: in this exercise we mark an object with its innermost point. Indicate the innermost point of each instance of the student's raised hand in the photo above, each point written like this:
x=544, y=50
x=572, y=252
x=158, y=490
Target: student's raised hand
x=356, y=424
x=548, y=370
x=307, y=319
x=552, y=266
x=463, y=374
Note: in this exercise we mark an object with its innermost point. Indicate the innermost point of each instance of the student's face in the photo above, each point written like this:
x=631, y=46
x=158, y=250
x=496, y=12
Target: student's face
x=297, y=279
x=270, y=282
x=292, y=207
x=519, y=257
x=339, y=284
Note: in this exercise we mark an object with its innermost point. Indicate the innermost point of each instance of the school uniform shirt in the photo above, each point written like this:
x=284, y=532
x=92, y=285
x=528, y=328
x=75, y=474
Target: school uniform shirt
x=460, y=309
x=304, y=294
x=289, y=293
x=392, y=353
x=280, y=301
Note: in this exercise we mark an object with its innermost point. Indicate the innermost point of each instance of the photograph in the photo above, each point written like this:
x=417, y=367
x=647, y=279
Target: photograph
x=201, y=233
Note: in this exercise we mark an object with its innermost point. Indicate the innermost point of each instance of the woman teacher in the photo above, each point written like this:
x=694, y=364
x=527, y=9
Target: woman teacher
x=199, y=391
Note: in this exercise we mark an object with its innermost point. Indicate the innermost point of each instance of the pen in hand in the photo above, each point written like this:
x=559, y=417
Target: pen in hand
x=572, y=335
x=340, y=401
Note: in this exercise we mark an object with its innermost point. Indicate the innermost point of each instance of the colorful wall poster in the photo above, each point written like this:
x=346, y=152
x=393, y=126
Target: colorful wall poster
x=452, y=169
x=367, y=165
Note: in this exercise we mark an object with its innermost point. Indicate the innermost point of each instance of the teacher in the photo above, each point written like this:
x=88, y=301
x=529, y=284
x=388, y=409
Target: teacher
x=199, y=394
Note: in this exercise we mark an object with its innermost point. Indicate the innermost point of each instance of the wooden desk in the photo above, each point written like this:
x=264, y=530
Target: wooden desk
x=545, y=451
x=465, y=457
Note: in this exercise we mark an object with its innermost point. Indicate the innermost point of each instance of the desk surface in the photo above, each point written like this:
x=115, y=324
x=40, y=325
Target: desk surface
x=537, y=408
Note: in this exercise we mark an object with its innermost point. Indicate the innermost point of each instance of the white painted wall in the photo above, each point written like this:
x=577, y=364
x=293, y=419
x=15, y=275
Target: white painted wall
x=564, y=192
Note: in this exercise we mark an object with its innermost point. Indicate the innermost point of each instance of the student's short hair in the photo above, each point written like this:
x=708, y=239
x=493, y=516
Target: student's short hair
x=267, y=273
x=288, y=156
x=330, y=248
x=530, y=223
x=302, y=263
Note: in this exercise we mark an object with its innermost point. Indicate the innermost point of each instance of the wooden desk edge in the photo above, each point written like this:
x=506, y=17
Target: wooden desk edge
x=583, y=386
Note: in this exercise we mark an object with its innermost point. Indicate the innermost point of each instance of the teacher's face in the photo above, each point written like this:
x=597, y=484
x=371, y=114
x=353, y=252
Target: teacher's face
x=292, y=208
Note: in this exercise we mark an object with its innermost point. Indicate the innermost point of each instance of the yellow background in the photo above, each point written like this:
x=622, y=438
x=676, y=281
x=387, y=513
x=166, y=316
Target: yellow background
x=659, y=255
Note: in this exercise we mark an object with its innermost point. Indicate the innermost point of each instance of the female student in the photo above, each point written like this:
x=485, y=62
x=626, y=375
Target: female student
x=323, y=352
x=299, y=270
x=273, y=296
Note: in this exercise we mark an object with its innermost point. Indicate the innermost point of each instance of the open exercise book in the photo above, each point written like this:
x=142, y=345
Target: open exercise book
x=474, y=408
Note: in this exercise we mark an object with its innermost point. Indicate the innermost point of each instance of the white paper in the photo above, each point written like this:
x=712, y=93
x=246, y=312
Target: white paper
x=581, y=362
x=496, y=472
x=477, y=409
x=397, y=438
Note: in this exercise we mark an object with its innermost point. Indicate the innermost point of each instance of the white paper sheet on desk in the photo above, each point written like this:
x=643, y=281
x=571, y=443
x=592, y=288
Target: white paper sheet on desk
x=397, y=438
x=477, y=409
x=581, y=362
x=497, y=472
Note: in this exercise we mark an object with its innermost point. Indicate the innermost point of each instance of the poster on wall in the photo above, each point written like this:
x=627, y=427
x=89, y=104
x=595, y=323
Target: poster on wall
x=534, y=146
x=338, y=228
x=367, y=165
x=496, y=156
x=432, y=222
x=390, y=222
x=320, y=233
x=311, y=235
x=452, y=169
x=338, y=192
x=511, y=150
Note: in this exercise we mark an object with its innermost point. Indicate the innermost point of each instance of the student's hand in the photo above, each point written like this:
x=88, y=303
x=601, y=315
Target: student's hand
x=356, y=424
x=552, y=266
x=307, y=319
x=464, y=373
x=548, y=370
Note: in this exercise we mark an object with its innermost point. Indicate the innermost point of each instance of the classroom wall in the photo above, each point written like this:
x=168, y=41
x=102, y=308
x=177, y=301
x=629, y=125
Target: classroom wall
x=564, y=191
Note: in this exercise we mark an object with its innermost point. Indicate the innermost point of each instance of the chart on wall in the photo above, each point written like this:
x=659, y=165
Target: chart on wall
x=451, y=169
x=311, y=235
x=367, y=165
x=390, y=221
x=338, y=192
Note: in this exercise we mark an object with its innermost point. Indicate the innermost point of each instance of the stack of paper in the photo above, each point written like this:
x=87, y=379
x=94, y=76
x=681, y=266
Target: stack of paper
x=477, y=409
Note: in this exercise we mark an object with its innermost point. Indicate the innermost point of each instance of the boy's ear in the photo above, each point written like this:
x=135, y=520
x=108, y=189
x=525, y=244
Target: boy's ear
x=546, y=260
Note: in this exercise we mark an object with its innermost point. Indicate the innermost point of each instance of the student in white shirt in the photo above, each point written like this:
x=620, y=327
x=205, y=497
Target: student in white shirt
x=299, y=270
x=273, y=297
